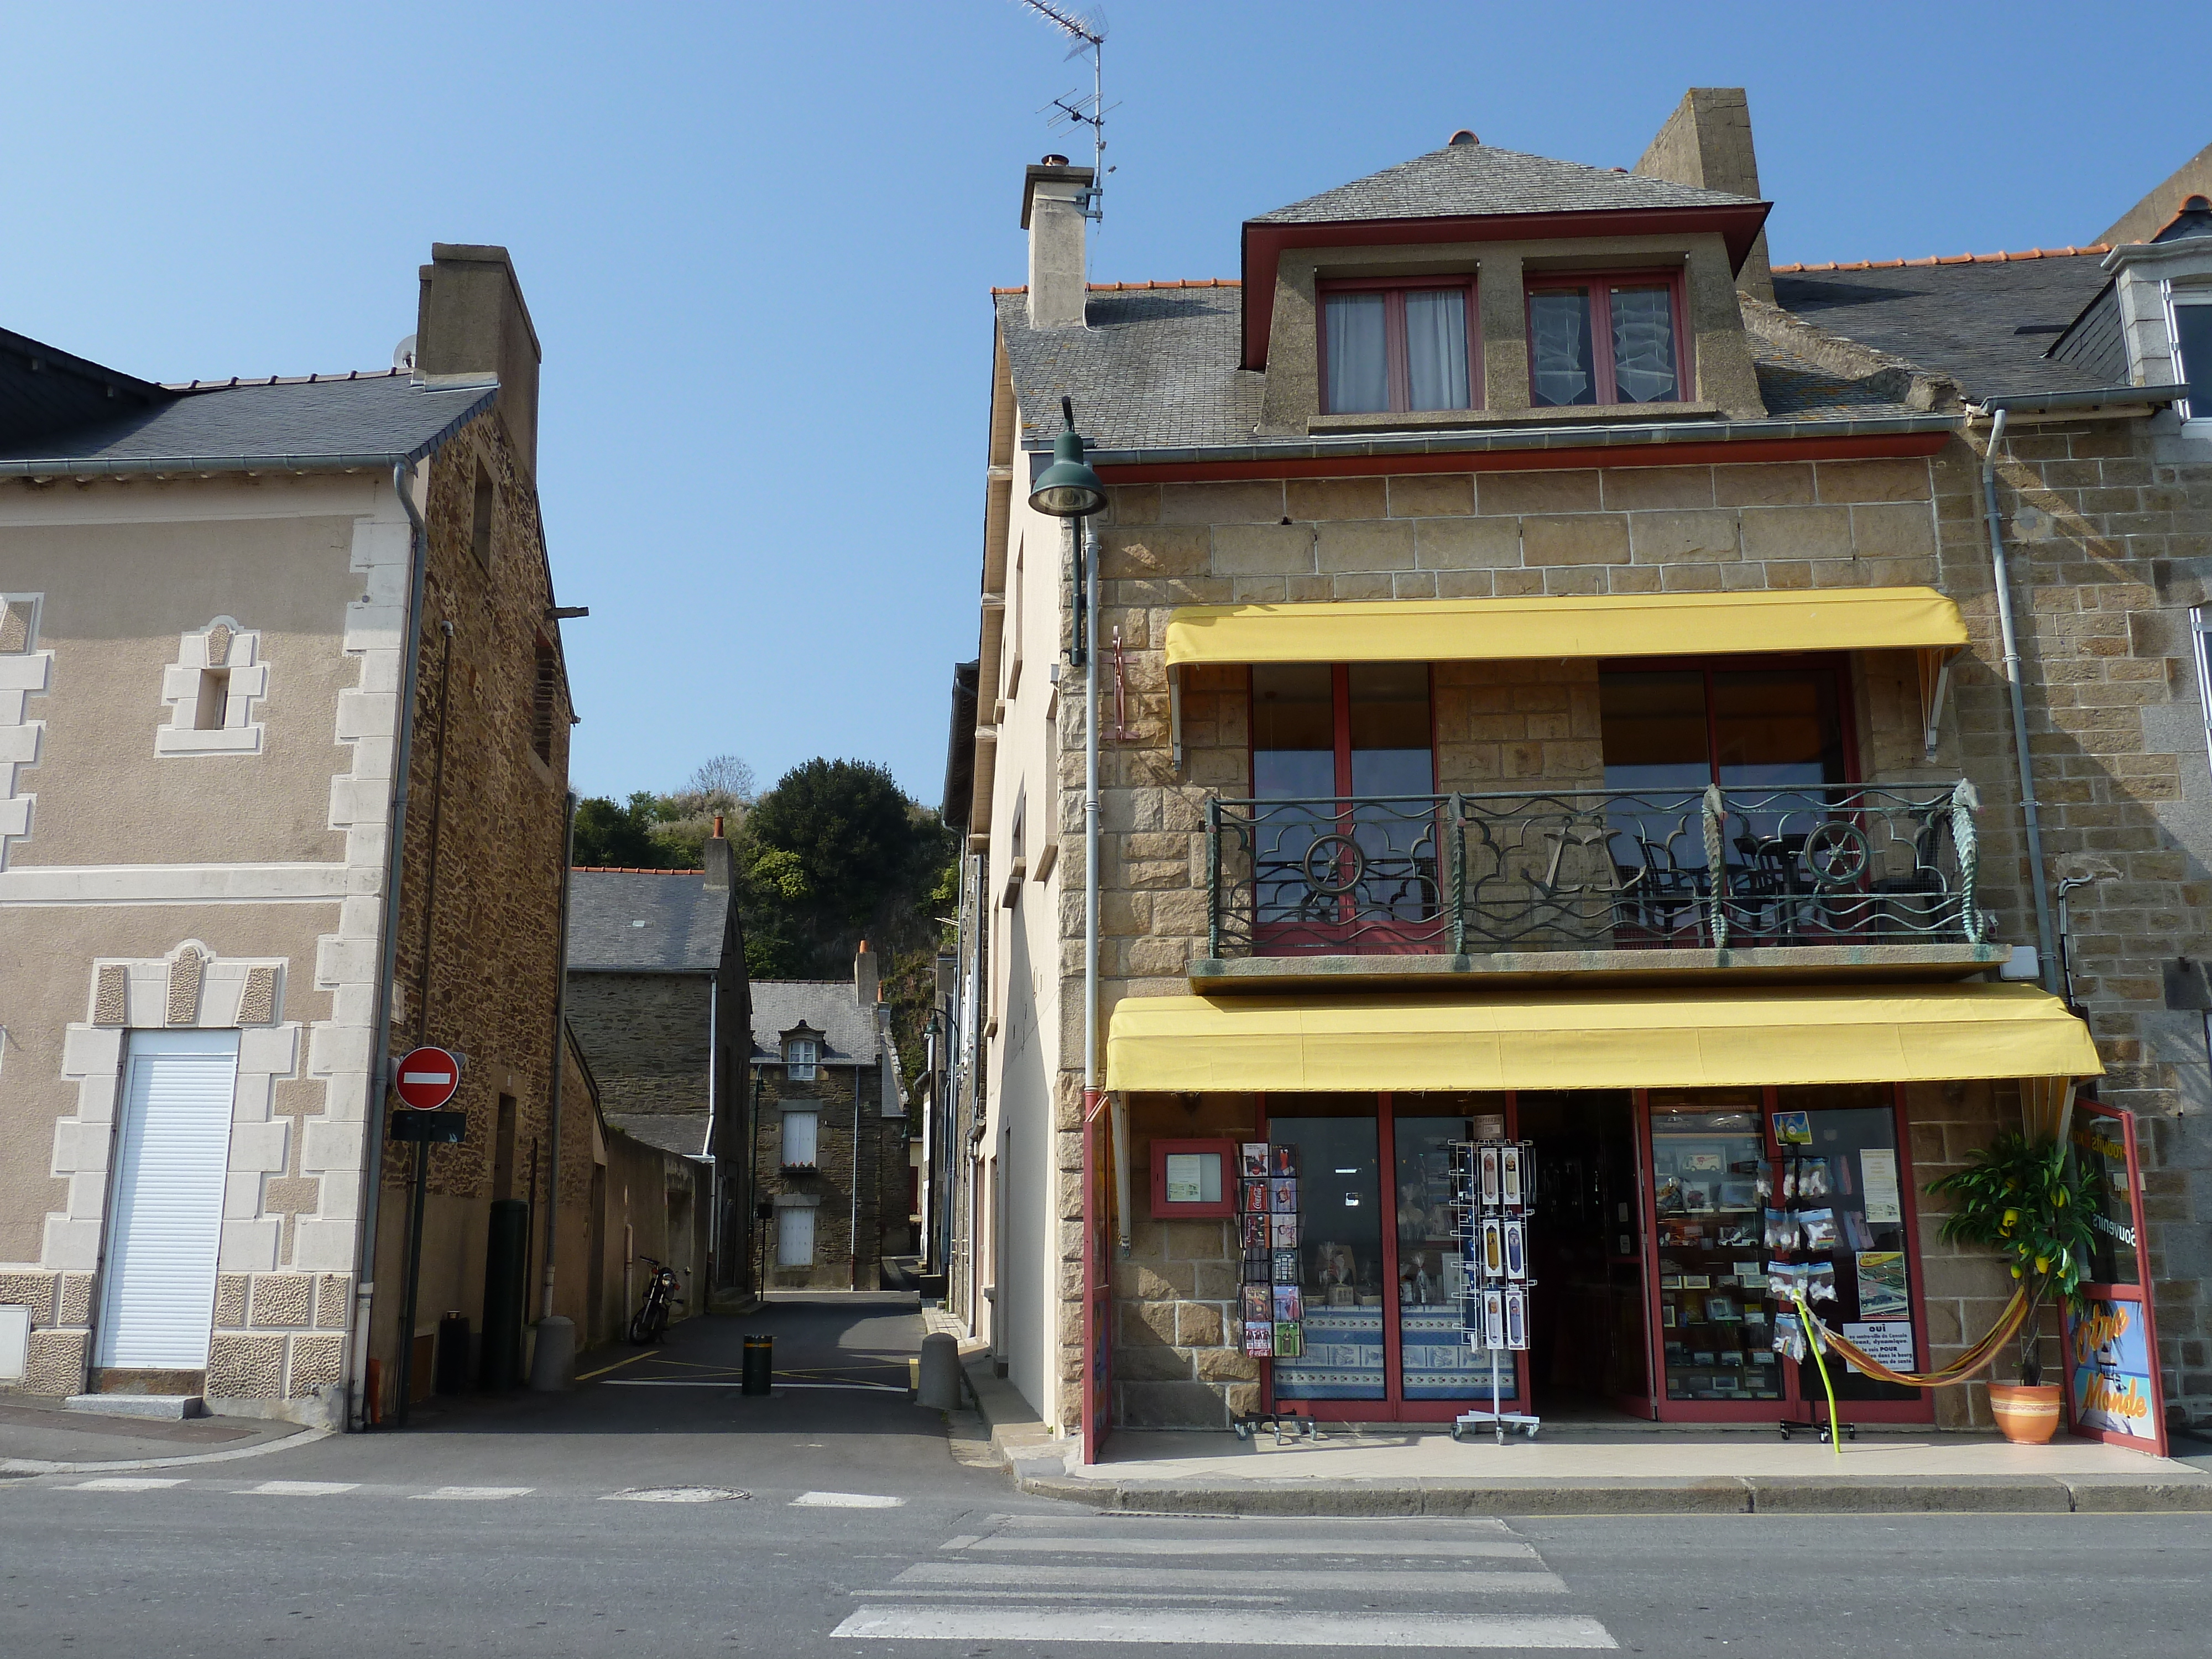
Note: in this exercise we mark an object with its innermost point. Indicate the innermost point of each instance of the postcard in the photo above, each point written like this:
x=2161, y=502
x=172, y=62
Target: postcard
x=1290, y=1340
x=1254, y=1223
x=1488, y=1162
x=1510, y=1161
x=1259, y=1339
x=1283, y=1161
x=1256, y=1266
x=1257, y=1304
x=1283, y=1197
x=1252, y=1160
x=1882, y=1293
x=1516, y=1319
x=1494, y=1249
x=1289, y=1304
x=1252, y=1197
x=1696, y=1281
x=1283, y=1232
x=1517, y=1248
x=1793, y=1129
x=1493, y=1319
x=1286, y=1267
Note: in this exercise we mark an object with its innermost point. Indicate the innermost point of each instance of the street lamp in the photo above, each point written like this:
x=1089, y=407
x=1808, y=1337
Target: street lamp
x=1068, y=488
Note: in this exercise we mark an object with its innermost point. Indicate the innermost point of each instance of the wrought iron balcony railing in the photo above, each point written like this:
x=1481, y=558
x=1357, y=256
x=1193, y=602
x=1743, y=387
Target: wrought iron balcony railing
x=1593, y=869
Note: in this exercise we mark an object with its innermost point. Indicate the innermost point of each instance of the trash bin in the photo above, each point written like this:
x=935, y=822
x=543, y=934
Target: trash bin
x=452, y=1366
x=759, y=1364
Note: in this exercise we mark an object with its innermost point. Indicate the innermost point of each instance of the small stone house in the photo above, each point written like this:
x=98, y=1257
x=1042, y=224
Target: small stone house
x=1557, y=679
x=658, y=1000
x=830, y=1133
x=234, y=616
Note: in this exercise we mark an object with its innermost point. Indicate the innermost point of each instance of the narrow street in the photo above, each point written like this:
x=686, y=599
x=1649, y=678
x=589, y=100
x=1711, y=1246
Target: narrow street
x=656, y=1510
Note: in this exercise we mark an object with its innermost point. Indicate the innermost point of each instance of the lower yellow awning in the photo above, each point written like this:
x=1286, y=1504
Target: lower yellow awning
x=1626, y=1039
x=1594, y=625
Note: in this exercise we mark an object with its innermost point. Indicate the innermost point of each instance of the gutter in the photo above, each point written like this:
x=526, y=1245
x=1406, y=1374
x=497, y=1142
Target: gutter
x=2116, y=396
x=418, y=559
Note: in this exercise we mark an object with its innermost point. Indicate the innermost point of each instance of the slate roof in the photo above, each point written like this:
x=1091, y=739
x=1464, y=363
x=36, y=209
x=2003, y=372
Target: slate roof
x=1155, y=368
x=830, y=1006
x=287, y=425
x=1959, y=319
x=657, y=921
x=684, y=1133
x=1467, y=180
x=42, y=390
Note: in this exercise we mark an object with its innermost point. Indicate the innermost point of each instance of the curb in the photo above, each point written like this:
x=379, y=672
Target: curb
x=28, y=1466
x=1731, y=1495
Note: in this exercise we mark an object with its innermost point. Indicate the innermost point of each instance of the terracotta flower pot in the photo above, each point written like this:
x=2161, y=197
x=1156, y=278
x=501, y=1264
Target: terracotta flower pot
x=2027, y=1417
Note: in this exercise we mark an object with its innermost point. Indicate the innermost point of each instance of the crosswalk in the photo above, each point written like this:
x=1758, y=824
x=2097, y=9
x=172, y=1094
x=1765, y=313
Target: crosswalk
x=1345, y=1584
x=355, y=1489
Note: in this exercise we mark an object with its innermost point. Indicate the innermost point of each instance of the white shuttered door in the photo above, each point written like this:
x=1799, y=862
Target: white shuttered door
x=166, y=1222
x=795, y=1237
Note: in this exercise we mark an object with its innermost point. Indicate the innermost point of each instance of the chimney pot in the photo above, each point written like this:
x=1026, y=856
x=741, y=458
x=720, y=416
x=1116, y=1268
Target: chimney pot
x=1462, y=136
x=1054, y=161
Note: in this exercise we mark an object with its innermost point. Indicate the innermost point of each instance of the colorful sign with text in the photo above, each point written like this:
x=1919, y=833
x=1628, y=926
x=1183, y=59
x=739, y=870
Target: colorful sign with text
x=2113, y=1389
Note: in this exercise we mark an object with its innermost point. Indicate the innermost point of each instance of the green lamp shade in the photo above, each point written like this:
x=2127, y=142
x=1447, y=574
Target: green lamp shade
x=1068, y=488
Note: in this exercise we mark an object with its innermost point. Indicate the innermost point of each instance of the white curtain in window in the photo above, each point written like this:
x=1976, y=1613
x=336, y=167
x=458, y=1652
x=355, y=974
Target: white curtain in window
x=1358, y=355
x=1644, y=344
x=799, y=1140
x=1436, y=349
x=799, y=1057
x=795, y=1237
x=1558, y=325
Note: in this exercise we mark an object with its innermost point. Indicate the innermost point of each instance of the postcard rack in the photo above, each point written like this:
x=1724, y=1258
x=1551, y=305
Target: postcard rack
x=1493, y=1185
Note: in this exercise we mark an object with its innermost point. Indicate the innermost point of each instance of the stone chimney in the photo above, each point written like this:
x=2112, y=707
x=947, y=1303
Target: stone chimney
x=1054, y=223
x=1707, y=142
x=866, y=989
x=717, y=860
x=471, y=320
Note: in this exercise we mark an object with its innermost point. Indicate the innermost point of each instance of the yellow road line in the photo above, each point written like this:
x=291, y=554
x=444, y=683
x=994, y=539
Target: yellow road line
x=617, y=1366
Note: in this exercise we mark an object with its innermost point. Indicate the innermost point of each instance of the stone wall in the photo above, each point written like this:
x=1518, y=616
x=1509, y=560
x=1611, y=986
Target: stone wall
x=881, y=1221
x=647, y=1037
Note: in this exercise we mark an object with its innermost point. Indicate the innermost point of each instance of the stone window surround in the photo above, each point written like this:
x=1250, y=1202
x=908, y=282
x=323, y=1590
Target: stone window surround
x=222, y=646
x=2145, y=279
x=25, y=671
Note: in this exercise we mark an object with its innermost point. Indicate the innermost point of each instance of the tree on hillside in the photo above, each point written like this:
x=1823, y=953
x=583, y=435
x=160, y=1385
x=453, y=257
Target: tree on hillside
x=620, y=836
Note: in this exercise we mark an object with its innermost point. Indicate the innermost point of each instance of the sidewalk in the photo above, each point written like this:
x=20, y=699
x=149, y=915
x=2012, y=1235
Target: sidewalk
x=39, y=1437
x=1585, y=1469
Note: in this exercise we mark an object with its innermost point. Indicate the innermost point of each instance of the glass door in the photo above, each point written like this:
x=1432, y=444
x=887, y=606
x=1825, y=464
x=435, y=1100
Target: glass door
x=1439, y=1375
x=1716, y=1344
x=1343, y=1268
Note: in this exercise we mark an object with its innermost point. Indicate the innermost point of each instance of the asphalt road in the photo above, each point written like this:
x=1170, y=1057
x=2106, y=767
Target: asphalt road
x=656, y=1512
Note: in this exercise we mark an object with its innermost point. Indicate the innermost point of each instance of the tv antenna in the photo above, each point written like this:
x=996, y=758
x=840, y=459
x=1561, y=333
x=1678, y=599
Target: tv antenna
x=1088, y=31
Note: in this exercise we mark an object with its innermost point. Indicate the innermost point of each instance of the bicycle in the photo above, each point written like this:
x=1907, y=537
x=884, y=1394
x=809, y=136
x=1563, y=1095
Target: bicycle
x=650, y=1322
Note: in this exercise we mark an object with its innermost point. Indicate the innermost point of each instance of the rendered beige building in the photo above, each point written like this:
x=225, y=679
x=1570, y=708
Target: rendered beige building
x=218, y=603
x=1500, y=497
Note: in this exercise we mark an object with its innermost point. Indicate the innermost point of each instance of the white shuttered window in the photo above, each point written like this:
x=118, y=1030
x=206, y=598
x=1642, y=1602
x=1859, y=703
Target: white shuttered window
x=166, y=1221
x=800, y=1139
x=795, y=1237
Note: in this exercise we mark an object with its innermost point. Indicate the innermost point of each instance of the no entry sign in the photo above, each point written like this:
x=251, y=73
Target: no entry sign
x=428, y=1078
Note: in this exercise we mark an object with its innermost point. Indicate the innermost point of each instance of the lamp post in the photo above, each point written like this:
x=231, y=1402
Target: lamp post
x=1069, y=489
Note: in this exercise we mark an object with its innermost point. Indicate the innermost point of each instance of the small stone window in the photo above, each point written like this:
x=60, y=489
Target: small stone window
x=211, y=691
x=545, y=703
x=481, y=516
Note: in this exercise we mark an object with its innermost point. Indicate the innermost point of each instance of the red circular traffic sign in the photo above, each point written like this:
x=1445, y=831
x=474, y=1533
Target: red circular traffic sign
x=428, y=1078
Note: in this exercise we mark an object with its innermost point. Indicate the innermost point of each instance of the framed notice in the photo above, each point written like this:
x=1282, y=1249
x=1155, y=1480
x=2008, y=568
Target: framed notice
x=1193, y=1179
x=1878, y=1175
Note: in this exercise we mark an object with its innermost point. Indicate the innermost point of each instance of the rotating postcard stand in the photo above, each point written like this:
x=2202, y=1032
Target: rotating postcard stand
x=1494, y=1192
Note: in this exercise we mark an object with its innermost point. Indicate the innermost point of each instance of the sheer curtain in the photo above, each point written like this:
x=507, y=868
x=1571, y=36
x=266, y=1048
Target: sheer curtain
x=1436, y=349
x=1558, y=328
x=1359, y=357
x=1644, y=344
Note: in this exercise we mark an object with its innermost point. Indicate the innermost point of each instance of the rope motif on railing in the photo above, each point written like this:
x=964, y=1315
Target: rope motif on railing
x=1964, y=803
x=1715, y=867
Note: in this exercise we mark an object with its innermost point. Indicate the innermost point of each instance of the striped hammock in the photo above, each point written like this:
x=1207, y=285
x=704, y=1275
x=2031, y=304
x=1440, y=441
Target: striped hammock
x=1960, y=1370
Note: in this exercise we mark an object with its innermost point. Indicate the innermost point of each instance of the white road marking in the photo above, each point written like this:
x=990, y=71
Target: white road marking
x=120, y=1483
x=1471, y=1548
x=844, y=1500
x=483, y=1493
x=672, y=1495
x=1132, y=1519
x=1434, y=1581
x=961, y=1542
x=1212, y=1597
x=1198, y=1626
x=299, y=1489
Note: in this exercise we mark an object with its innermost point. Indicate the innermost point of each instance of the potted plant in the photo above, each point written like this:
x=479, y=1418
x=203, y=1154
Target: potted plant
x=2029, y=1201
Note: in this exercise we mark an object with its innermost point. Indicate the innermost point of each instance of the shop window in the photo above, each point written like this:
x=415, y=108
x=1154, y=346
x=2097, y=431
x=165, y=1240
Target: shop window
x=1346, y=825
x=794, y=1236
x=1605, y=340
x=801, y=1140
x=1398, y=347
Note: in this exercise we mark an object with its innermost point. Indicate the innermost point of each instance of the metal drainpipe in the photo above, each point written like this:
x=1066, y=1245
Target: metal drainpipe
x=1089, y=544
x=379, y=1073
x=559, y=1063
x=2045, y=947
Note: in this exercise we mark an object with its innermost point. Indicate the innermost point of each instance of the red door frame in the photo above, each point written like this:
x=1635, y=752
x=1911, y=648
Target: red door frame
x=1098, y=1281
x=1796, y=1403
x=1394, y=1406
x=2137, y=1294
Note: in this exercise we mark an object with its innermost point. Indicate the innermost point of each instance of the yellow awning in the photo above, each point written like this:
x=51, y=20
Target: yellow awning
x=1600, y=625
x=1626, y=1039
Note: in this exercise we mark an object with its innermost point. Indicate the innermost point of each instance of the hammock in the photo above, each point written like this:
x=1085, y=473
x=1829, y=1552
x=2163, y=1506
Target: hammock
x=1959, y=1370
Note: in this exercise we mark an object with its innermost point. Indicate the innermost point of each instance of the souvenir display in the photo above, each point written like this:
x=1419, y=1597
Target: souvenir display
x=1271, y=1305
x=1710, y=1165
x=1495, y=1185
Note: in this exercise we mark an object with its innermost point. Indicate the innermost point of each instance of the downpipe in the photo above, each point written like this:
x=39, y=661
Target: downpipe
x=2047, y=950
x=1087, y=547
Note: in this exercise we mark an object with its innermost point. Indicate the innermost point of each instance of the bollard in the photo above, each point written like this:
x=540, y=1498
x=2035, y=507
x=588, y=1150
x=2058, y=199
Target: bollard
x=939, y=1388
x=554, y=1359
x=759, y=1364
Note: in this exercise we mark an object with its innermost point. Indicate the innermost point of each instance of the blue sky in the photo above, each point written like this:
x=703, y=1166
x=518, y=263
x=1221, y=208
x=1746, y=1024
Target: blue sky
x=756, y=241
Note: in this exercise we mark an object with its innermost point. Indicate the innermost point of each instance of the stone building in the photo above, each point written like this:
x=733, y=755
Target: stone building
x=283, y=751
x=659, y=1001
x=830, y=1133
x=1556, y=685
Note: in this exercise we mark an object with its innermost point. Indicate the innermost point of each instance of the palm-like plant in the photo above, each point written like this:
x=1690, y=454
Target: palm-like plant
x=2029, y=1201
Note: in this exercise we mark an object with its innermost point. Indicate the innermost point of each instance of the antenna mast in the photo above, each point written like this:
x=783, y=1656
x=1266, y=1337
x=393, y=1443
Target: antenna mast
x=1088, y=31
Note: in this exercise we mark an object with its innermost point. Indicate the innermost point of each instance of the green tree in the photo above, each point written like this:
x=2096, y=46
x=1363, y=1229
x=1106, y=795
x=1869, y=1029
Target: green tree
x=621, y=837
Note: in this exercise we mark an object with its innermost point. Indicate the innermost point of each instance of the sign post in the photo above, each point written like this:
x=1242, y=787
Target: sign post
x=427, y=1078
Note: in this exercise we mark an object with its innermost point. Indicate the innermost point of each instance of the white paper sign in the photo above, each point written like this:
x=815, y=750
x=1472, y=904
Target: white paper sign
x=1878, y=1175
x=1889, y=1340
x=1194, y=1177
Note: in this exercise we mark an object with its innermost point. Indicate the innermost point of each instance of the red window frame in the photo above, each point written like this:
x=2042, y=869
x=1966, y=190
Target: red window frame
x=1598, y=282
x=1831, y=662
x=1204, y=1208
x=1393, y=290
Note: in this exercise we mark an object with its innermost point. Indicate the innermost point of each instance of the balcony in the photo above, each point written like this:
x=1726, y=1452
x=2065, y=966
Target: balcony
x=1808, y=879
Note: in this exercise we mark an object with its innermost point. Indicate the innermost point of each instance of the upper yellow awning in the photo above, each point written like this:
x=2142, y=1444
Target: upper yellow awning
x=1626, y=1039
x=1599, y=625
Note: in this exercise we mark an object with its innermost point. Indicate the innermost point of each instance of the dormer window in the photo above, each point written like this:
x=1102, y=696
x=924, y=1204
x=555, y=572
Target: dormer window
x=801, y=1055
x=1605, y=340
x=2192, y=348
x=1403, y=346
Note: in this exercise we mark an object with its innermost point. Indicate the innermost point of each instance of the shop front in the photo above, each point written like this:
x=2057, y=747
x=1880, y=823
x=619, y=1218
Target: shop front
x=1668, y=1191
